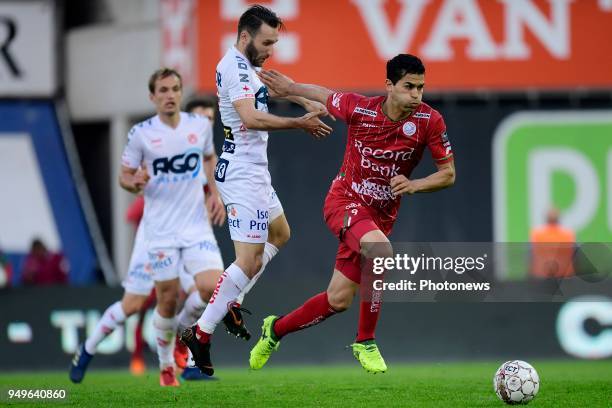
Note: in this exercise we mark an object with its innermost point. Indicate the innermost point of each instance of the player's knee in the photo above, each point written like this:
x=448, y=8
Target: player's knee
x=339, y=300
x=131, y=306
x=166, y=302
x=250, y=265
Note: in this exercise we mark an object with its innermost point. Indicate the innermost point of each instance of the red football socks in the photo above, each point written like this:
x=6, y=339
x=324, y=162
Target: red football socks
x=371, y=302
x=368, y=318
x=313, y=311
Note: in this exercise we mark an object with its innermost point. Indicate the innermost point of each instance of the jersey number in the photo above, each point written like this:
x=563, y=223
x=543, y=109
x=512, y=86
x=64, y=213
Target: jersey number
x=220, y=170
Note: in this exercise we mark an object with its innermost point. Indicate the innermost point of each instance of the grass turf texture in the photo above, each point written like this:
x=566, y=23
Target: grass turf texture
x=566, y=384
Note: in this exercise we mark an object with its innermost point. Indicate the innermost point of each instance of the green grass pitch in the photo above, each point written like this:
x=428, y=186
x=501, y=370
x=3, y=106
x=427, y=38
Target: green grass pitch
x=564, y=384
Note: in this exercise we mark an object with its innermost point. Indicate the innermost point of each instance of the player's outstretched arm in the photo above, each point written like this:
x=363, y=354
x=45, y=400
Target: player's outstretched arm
x=443, y=178
x=257, y=120
x=133, y=180
x=282, y=85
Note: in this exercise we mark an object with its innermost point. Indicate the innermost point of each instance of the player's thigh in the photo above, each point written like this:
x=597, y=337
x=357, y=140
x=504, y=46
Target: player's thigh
x=132, y=303
x=341, y=291
x=279, y=231
x=374, y=244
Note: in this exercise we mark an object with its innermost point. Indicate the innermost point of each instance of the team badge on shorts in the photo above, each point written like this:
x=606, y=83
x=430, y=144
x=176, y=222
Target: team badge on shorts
x=409, y=128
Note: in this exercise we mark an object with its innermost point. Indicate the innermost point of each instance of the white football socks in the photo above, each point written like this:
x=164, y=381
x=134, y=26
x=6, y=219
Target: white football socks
x=112, y=317
x=269, y=252
x=231, y=283
x=165, y=332
x=192, y=310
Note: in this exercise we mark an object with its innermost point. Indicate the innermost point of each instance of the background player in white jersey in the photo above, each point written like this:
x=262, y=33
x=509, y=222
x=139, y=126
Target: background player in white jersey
x=170, y=146
x=139, y=283
x=257, y=224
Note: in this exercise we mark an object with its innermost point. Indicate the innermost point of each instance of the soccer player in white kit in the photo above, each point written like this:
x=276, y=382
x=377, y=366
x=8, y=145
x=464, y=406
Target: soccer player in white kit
x=139, y=282
x=174, y=147
x=256, y=221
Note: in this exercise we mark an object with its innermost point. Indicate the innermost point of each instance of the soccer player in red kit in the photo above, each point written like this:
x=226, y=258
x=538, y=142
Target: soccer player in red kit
x=387, y=136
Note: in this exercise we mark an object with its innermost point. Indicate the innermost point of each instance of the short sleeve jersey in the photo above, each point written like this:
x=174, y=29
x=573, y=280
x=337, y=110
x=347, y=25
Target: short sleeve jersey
x=174, y=213
x=237, y=79
x=378, y=148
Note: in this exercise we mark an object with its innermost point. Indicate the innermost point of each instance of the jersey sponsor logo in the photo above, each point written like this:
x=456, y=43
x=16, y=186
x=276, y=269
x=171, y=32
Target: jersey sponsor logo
x=370, y=159
x=229, y=147
x=366, y=112
x=220, y=170
x=336, y=100
x=373, y=188
x=179, y=164
x=409, y=128
x=421, y=115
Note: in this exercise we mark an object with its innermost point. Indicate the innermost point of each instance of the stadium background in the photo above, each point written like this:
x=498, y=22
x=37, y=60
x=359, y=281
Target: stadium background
x=73, y=80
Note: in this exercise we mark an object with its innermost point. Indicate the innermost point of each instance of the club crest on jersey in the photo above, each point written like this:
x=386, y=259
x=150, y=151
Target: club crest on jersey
x=192, y=138
x=409, y=129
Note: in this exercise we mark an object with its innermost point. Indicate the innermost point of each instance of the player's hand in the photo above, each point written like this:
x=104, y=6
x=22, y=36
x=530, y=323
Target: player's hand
x=216, y=209
x=402, y=185
x=311, y=123
x=314, y=106
x=140, y=179
x=277, y=83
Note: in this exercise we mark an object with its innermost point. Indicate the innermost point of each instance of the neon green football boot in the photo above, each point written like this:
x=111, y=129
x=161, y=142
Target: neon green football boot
x=267, y=343
x=368, y=355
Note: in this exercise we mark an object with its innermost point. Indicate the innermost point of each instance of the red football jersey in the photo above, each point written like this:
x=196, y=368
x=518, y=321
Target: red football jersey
x=378, y=148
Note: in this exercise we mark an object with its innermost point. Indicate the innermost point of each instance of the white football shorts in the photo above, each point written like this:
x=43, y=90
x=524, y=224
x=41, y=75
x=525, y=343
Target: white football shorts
x=250, y=199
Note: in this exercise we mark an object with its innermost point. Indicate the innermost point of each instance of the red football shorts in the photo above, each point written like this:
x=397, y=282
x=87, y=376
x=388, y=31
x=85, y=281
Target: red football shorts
x=348, y=220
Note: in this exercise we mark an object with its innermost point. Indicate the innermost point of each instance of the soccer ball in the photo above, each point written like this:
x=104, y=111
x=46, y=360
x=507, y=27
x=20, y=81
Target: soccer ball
x=516, y=382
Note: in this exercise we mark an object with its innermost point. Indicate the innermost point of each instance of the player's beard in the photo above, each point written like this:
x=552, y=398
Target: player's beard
x=252, y=54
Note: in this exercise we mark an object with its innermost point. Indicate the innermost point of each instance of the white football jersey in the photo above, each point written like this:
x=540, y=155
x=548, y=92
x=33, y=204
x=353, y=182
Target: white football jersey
x=237, y=79
x=174, y=213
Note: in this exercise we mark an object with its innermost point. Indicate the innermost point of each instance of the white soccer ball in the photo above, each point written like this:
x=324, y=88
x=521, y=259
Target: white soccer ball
x=516, y=382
